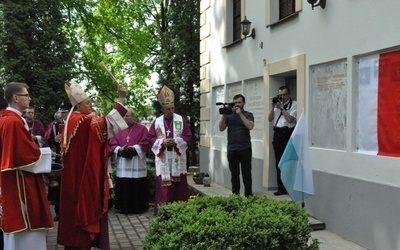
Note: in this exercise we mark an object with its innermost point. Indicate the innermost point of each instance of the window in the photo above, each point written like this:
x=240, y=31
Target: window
x=279, y=10
x=286, y=8
x=234, y=14
x=237, y=34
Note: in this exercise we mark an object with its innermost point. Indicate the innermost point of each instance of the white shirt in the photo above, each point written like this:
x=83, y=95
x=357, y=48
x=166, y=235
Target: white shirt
x=280, y=121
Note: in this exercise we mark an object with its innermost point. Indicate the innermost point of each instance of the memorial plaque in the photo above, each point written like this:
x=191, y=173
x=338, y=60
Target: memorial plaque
x=233, y=89
x=255, y=104
x=219, y=96
x=328, y=101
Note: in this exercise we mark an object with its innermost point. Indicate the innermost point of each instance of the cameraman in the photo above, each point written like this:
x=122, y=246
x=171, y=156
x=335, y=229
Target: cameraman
x=283, y=114
x=239, y=124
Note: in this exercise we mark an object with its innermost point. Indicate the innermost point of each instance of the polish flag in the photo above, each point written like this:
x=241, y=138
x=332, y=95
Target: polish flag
x=379, y=104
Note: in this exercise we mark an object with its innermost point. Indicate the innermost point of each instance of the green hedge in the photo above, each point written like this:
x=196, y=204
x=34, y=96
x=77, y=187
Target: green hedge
x=233, y=222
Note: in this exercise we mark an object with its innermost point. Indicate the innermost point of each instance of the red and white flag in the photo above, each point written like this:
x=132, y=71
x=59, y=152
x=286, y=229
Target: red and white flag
x=379, y=104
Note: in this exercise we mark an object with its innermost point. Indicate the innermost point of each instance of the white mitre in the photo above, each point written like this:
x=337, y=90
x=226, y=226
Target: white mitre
x=75, y=93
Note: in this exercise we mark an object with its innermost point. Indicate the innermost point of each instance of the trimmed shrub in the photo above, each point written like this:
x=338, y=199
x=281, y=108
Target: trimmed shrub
x=234, y=222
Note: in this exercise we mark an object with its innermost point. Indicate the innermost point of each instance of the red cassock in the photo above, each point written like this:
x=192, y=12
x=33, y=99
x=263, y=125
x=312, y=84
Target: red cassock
x=84, y=184
x=17, y=150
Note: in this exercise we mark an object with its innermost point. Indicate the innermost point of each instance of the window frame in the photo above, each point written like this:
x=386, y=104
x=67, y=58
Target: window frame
x=272, y=11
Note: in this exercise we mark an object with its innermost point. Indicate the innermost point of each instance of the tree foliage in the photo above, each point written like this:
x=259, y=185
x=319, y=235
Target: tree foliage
x=118, y=33
x=47, y=43
x=35, y=51
x=136, y=38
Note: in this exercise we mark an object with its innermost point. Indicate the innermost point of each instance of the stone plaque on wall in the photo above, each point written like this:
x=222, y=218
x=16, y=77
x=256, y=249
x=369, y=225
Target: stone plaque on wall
x=219, y=96
x=328, y=99
x=255, y=104
x=233, y=89
x=224, y=97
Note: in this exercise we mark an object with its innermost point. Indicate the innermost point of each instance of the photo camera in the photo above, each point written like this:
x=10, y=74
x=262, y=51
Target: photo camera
x=276, y=99
x=227, y=108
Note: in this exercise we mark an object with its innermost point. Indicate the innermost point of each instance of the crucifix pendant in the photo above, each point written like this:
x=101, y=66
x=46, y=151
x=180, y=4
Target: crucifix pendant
x=168, y=132
x=127, y=138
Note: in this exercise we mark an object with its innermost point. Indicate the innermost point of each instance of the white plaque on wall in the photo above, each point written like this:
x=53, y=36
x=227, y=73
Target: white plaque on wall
x=224, y=97
x=219, y=96
x=255, y=104
x=233, y=89
x=328, y=98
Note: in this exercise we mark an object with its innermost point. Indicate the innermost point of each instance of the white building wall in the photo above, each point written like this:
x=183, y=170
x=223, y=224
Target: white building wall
x=356, y=195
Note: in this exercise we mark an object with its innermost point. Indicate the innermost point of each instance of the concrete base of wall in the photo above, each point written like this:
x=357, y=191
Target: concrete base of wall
x=362, y=211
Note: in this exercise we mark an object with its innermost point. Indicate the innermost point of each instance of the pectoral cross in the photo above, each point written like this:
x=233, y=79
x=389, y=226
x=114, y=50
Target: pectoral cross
x=168, y=132
x=128, y=138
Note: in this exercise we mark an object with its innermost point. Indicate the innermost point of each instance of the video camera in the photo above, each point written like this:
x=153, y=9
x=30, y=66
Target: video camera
x=276, y=99
x=227, y=108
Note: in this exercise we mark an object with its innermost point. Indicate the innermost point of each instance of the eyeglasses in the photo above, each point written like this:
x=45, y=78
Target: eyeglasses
x=26, y=95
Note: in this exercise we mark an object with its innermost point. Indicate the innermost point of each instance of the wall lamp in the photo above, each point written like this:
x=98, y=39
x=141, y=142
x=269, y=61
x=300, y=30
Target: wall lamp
x=321, y=3
x=246, y=25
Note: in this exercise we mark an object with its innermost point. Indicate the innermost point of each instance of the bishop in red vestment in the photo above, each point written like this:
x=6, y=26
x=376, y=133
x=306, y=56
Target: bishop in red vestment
x=84, y=183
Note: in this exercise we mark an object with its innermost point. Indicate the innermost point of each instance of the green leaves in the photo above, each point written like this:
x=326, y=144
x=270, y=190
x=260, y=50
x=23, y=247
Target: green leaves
x=36, y=52
x=233, y=222
x=118, y=33
x=47, y=43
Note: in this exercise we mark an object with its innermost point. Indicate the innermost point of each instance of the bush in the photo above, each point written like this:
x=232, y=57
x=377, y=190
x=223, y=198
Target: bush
x=233, y=222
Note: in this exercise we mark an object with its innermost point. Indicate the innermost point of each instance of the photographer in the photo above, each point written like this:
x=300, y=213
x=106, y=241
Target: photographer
x=239, y=123
x=283, y=114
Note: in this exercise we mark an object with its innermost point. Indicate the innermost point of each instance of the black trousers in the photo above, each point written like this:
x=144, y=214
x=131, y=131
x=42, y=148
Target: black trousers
x=280, y=140
x=241, y=160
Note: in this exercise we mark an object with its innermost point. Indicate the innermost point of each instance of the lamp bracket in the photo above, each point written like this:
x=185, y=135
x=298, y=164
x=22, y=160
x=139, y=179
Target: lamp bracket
x=253, y=33
x=321, y=3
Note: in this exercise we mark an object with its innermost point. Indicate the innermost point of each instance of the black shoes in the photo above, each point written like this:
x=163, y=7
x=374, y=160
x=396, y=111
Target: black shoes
x=278, y=193
x=56, y=218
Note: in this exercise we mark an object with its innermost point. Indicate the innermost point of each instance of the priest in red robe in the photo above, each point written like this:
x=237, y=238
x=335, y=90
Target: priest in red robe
x=84, y=193
x=169, y=137
x=24, y=210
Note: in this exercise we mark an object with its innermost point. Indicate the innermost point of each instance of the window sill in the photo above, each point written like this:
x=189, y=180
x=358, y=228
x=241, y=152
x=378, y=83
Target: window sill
x=233, y=43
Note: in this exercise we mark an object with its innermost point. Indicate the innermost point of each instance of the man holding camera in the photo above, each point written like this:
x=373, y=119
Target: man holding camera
x=239, y=123
x=283, y=114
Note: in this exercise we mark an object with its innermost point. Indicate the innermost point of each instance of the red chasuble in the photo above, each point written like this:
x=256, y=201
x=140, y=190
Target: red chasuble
x=17, y=150
x=84, y=184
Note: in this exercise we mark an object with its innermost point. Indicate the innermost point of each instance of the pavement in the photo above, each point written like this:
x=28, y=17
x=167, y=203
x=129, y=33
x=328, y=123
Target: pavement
x=128, y=232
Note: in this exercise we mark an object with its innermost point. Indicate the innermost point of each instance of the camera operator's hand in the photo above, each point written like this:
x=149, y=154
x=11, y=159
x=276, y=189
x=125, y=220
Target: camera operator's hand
x=279, y=105
x=237, y=110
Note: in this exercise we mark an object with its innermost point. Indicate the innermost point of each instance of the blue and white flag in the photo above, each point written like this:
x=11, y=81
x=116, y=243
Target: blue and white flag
x=295, y=164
